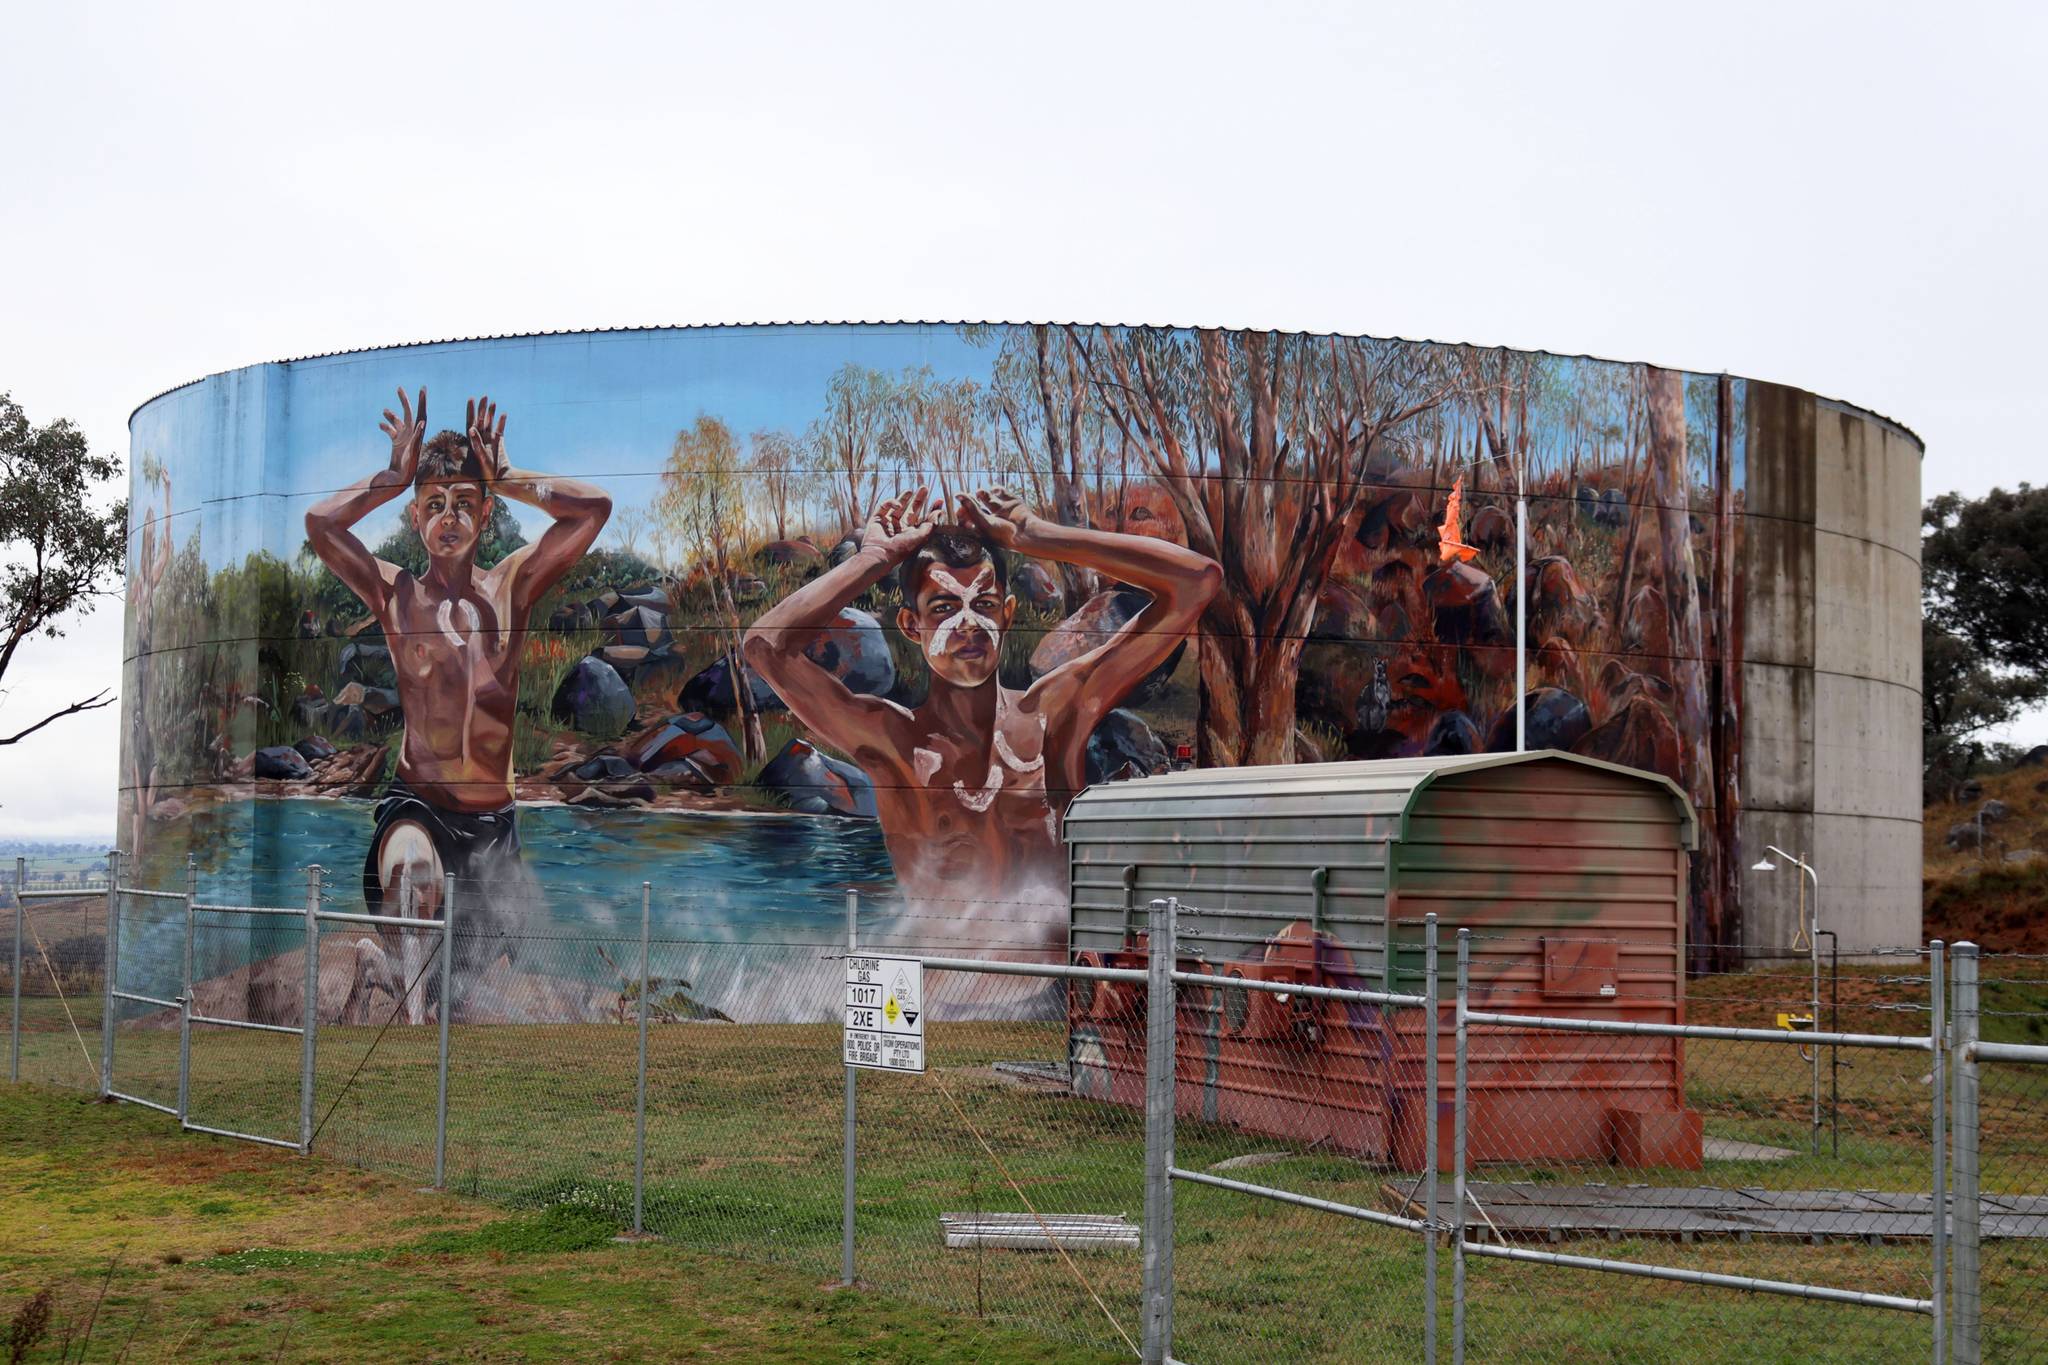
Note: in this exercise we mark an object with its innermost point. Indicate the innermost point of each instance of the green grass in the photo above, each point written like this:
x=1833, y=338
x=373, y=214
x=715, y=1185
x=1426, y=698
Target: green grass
x=743, y=1165
x=190, y=1249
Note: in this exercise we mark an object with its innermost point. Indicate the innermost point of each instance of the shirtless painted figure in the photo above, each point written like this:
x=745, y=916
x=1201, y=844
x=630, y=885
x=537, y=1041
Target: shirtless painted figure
x=971, y=785
x=455, y=633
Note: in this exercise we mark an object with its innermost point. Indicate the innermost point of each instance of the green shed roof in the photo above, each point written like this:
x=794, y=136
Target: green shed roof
x=1392, y=784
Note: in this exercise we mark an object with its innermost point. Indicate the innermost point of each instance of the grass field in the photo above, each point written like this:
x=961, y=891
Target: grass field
x=158, y=1247
x=743, y=1167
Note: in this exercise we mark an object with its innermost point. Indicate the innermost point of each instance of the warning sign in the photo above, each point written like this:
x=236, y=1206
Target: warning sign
x=885, y=1013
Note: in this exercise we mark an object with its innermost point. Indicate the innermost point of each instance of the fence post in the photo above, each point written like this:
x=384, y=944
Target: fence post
x=1938, y=1083
x=447, y=1008
x=847, y=1149
x=1156, y=1344
x=185, y=995
x=113, y=960
x=309, y=1015
x=14, y=1020
x=1459, y=1096
x=640, y=1072
x=1967, y=1308
x=1431, y=1040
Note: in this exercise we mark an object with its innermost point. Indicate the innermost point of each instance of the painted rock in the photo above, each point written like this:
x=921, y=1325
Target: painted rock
x=1034, y=587
x=1465, y=606
x=690, y=736
x=817, y=784
x=782, y=553
x=1124, y=746
x=1452, y=733
x=283, y=762
x=1101, y=617
x=1555, y=720
x=1639, y=735
x=594, y=699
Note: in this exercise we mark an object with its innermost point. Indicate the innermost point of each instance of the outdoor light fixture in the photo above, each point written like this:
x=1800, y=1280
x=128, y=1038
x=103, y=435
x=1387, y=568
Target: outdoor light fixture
x=1806, y=934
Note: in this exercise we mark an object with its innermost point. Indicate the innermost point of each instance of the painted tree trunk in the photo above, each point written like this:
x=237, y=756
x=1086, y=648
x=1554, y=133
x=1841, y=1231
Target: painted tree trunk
x=1671, y=491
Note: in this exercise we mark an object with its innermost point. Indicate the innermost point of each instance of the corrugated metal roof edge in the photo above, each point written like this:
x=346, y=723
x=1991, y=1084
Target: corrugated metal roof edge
x=1871, y=413
x=1424, y=771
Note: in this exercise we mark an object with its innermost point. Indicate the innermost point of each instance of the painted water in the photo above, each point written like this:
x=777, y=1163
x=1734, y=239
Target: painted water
x=738, y=903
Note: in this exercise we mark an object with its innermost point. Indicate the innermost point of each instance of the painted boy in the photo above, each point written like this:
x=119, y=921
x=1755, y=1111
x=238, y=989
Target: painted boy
x=971, y=784
x=455, y=632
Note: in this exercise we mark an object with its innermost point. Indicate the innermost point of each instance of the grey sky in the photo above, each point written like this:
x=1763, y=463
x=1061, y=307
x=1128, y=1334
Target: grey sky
x=1846, y=198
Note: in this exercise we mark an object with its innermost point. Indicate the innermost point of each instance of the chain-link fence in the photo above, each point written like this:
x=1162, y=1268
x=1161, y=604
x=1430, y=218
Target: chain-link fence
x=1272, y=1161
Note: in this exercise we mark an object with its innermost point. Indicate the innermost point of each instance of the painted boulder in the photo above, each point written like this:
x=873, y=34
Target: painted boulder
x=818, y=784
x=1101, y=617
x=1555, y=719
x=689, y=742
x=594, y=699
x=1124, y=746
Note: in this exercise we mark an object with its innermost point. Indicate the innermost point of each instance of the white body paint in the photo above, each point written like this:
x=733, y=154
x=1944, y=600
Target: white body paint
x=983, y=582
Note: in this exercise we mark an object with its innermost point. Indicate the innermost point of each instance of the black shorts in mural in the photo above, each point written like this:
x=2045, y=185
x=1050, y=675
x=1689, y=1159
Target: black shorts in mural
x=473, y=845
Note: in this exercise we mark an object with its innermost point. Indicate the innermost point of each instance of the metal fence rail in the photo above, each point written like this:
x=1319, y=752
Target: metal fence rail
x=1277, y=1147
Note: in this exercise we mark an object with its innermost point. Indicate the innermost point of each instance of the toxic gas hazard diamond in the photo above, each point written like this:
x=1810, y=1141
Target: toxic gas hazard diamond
x=885, y=1013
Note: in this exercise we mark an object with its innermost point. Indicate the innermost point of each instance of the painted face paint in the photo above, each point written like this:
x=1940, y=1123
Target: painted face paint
x=924, y=762
x=979, y=801
x=981, y=585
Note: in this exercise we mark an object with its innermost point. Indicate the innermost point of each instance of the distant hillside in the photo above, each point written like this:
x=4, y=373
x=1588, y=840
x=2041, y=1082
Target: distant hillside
x=1997, y=897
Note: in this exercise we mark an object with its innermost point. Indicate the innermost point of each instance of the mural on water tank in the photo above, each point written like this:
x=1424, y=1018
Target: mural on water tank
x=767, y=614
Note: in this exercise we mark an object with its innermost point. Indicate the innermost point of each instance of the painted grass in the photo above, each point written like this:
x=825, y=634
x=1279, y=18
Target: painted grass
x=743, y=1163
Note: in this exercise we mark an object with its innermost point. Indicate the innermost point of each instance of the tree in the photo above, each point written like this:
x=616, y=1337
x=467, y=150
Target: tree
x=62, y=555
x=778, y=464
x=846, y=443
x=704, y=505
x=1962, y=695
x=1984, y=572
x=1262, y=441
x=1041, y=389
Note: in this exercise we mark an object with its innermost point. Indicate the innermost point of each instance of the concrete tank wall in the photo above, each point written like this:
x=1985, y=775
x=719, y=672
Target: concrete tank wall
x=1831, y=714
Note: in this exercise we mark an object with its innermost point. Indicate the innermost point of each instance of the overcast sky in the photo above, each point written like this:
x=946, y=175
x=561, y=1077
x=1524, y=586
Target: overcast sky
x=1845, y=198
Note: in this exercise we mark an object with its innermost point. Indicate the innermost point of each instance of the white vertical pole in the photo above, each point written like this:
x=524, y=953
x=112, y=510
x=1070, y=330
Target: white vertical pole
x=447, y=1008
x=14, y=1020
x=1938, y=1049
x=1966, y=1308
x=113, y=962
x=1521, y=615
x=1156, y=1340
x=185, y=995
x=1460, y=1102
x=848, y=1151
x=309, y=1013
x=640, y=1072
x=1430, y=1043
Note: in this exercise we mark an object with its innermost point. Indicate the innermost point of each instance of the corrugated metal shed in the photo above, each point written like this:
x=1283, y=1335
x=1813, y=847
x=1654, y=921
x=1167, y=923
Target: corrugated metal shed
x=1571, y=874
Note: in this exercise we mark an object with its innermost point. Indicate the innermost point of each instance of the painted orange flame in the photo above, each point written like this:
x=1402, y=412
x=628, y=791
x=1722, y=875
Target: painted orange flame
x=1450, y=544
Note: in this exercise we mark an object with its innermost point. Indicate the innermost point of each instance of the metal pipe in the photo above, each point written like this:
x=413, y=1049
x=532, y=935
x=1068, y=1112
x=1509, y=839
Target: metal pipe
x=447, y=1008
x=185, y=996
x=1966, y=1309
x=1521, y=613
x=1745, y=1035
x=245, y=1137
x=1938, y=1084
x=2030, y=1053
x=205, y=909
x=640, y=1072
x=1459, y=1096
x=848, y=1150
x=146, y=999
x=161, y=1108
x=1389, y=1220
x=1051, y=970
x=309, y=1015
x=1156, y=1342
x=1345, y=993
x=1834, y=1053
x=388, y=921
x=113, y=958
x=210, y=1021
x=14, y=1019
x=152, y=895
x=1706, y=1277
x=1431, y=1041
